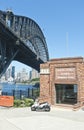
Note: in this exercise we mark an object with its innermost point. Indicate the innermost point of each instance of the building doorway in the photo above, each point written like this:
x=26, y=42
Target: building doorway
x=66, y=93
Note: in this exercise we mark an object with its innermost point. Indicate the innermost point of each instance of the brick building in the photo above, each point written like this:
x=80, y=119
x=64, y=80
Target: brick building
x=62, y=82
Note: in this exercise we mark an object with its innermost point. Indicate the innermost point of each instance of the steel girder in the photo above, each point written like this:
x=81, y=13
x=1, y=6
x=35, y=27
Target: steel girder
x=28, y=31
x=21, y=39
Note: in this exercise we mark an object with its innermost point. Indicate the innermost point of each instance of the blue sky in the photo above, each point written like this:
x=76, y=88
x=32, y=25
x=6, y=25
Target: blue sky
x=62, y=22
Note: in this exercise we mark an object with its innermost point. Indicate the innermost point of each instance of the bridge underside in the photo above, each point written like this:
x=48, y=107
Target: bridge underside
x=21, y=39
x=13, y=49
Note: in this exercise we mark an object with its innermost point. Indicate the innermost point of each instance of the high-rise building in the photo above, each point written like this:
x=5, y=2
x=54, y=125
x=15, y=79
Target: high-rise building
x=30, y=75
x=8, y=73
x=13, y=72
x=23, y=75
x=35, y=74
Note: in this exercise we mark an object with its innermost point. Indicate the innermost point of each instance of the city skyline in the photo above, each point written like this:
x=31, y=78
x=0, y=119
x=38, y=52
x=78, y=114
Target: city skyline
x=62, y=23
x=23, y=75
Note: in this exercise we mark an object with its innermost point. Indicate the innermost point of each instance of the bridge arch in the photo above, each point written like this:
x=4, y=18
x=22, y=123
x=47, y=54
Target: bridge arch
x=21, y=39
x=28, y=30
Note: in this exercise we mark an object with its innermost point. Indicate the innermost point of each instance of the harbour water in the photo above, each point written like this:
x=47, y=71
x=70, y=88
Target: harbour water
x=18, y=90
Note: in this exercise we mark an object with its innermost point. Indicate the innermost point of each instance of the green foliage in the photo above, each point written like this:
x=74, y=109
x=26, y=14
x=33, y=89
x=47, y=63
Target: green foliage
x=17, y=103
x=33, y=81
x=26, y=102
x=36, y=79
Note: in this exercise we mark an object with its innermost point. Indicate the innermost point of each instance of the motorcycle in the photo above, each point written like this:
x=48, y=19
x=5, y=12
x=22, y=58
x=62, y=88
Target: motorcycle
x=45, y=106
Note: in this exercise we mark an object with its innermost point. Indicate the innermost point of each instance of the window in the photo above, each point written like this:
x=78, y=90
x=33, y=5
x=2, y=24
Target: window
x=66, y=93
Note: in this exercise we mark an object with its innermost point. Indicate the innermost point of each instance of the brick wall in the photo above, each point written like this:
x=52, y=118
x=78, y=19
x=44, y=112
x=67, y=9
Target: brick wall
x=48, y=80
x=80, y=71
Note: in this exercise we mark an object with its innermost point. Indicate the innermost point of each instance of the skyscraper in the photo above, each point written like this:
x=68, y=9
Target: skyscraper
x=35, y=74
x=13, y=72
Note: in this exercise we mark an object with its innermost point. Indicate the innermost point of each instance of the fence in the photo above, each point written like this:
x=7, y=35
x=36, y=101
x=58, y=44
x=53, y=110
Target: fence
x=20, y=94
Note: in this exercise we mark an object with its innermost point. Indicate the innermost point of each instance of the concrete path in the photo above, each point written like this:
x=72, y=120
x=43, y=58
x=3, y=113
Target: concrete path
x=56, y=119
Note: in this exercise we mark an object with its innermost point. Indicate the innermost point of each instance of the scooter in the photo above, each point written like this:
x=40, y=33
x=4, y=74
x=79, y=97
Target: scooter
x=45, y=106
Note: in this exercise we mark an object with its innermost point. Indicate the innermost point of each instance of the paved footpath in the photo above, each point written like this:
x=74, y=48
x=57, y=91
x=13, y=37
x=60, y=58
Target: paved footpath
x=56, y=119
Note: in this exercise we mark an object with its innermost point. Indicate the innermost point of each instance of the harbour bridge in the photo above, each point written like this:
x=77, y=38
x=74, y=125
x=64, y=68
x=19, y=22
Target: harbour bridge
x=21, y=39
